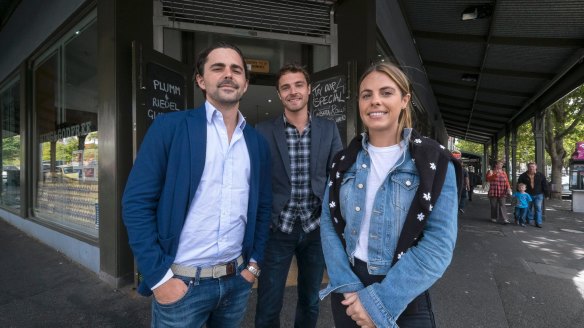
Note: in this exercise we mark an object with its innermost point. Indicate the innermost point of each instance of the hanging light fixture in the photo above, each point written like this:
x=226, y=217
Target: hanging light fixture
x=477, y=12
x=469, y=77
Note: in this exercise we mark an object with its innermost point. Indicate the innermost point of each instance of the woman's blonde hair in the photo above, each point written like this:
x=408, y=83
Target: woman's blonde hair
x=403, y=83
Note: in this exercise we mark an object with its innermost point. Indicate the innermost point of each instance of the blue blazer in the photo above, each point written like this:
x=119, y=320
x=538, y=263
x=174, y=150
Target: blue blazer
x=163, y=182
x=325, y=144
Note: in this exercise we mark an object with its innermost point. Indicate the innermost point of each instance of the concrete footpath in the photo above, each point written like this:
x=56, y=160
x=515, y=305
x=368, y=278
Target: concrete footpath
x=501, y=276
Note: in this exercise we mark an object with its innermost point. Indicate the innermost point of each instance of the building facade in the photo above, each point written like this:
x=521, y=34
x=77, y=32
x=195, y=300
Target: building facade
x=80, y=81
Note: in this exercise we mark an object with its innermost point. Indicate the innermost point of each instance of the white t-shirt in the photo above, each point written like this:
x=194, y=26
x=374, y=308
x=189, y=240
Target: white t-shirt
x=382, y=161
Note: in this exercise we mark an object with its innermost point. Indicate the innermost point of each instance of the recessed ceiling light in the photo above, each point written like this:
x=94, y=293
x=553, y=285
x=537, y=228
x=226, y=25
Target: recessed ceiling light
x=477, y=12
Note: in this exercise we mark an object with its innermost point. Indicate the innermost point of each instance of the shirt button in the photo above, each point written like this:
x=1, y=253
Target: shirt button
x=357, y=208
x=408, y=183
x=360, y=186
x=364, y=166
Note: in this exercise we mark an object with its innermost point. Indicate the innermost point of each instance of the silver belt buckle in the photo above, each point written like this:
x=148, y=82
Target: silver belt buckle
x=219, y=271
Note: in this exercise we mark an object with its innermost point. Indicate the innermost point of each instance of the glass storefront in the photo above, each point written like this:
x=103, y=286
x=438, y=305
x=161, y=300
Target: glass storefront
x=10, y=156
x=65, y=101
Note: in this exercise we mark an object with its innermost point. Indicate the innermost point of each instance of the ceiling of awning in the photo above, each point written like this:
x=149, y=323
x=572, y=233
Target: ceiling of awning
x=497, y=71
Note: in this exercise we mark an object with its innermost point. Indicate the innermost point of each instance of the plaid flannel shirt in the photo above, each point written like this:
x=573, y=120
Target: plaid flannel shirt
x=303, y=204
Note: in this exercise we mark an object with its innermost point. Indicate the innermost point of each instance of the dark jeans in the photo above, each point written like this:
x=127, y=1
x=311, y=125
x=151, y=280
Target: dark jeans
x=520, y=214
x=470, y=192
x=463, y=197
x=272, y=281
x=418, y=314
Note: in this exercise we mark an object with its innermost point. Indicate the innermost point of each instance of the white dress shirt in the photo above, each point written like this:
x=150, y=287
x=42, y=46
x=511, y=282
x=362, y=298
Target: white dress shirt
x=215, y=225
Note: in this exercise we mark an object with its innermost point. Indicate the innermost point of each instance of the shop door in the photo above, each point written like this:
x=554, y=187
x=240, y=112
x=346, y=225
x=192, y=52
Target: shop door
x=160, y=84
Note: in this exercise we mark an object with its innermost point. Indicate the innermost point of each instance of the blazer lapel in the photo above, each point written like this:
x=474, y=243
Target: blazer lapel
x=254, y=159
x=279, y=132
x=197, y=126
x=316, y=134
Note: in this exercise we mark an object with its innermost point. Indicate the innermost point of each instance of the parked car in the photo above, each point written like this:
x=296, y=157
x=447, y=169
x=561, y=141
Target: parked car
x=11, y=175
x=69, y=172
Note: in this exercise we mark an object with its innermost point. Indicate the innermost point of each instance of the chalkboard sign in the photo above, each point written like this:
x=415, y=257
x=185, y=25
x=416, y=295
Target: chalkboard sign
x=160, y=85
x=164, y=90
x=328, y=100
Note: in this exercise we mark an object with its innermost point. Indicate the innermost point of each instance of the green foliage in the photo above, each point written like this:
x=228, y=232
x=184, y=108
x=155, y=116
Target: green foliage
x=11, y=150
x=525, y=144
x=64, y=149
x=469, y=146
x=562, y=130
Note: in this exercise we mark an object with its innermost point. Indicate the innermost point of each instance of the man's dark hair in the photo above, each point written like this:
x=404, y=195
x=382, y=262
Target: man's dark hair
x=292, y=68
x=203, y=56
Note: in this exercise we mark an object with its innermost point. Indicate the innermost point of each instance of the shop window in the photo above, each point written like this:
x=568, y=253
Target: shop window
x=65, y=100
x=10, y=156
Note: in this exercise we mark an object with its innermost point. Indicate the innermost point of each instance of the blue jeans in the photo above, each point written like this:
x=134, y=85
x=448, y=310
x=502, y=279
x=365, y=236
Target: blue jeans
x=520, y=214
x=217, y=302
x=272, y=282
x=535, y=206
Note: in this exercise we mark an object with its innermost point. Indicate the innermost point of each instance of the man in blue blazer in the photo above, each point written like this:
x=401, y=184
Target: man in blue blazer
x=302, y=148
x=197, y=202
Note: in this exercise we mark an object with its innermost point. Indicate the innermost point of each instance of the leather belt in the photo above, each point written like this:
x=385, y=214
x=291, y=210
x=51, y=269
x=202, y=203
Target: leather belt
x=216, y=271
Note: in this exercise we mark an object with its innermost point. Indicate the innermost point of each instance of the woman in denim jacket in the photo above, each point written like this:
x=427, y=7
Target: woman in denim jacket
x=392, y=230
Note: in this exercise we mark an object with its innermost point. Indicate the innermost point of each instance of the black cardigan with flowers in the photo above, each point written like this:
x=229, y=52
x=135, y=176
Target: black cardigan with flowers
x=431, y=161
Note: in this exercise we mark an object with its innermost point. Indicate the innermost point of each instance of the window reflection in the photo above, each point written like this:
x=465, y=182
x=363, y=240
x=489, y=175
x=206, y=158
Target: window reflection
x=65, y=96
x=10, y=156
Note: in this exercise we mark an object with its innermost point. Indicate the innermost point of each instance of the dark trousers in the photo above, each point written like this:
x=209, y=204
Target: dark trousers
x=272, y=281
x=418, y=314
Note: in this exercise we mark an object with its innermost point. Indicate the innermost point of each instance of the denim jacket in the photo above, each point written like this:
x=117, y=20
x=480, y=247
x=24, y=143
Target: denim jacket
x=419, y=268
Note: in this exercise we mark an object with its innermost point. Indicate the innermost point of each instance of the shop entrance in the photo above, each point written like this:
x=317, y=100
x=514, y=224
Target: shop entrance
x=258, y=104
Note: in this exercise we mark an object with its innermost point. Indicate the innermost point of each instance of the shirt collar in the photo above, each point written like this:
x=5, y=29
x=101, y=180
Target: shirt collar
x=211, y=111
x=407, y=132
x=286, y=120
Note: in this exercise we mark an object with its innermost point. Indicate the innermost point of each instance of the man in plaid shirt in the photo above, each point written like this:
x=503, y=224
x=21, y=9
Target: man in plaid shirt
x=302, y=148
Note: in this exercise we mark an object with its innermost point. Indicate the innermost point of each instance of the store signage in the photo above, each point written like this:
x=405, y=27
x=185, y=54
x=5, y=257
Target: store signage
x=579, y=153
x=258, y=65
x=164, y=91
x=329, y=100
x=70, y=131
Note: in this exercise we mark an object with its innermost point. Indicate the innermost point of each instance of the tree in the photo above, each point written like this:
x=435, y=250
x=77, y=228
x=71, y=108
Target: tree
x=11, y=150
x=561, y=123
x=469, y=146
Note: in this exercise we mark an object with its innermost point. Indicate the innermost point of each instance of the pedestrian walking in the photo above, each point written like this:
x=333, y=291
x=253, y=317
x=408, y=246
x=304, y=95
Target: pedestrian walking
x=302, y=148
x=465, y=191
x=522, y=200
x=474, y=180
x=392, y=195
x=537, y=187
x=197, y=202
x=499, y=188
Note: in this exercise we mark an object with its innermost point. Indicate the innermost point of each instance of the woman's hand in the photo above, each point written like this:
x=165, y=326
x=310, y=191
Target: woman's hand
x=356, y=311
